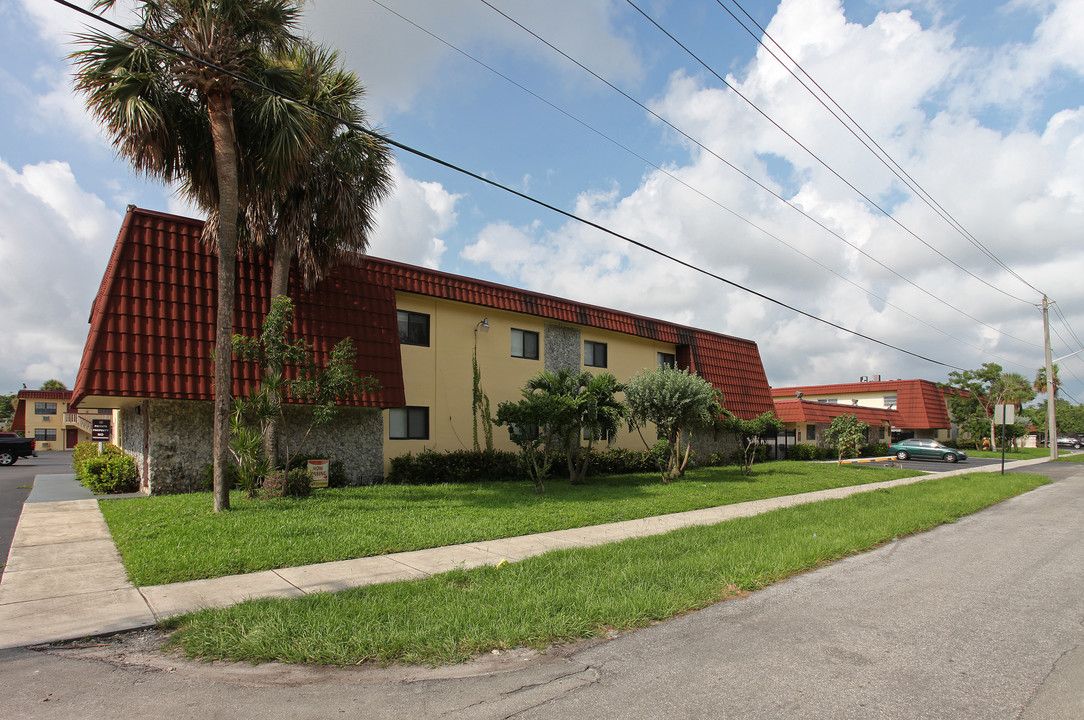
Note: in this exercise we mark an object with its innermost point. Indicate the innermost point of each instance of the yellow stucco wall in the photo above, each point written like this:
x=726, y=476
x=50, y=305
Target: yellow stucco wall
x=440, y=376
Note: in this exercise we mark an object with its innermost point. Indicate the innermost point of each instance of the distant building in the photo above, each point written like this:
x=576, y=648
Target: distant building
x=148, y=352
x=894, y=409
x=44, y=416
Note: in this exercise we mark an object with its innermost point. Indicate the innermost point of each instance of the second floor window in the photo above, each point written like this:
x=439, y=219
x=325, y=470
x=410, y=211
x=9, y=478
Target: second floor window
x=413, y=328
x=594, y=354
x=524, y=344
x=45, y=408
x=667, y=360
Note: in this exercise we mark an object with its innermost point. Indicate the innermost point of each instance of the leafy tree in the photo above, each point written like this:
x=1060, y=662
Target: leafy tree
x=746, y=432
x=846, y=434
x=677, y=403
x=291, y=372
x=172, y=116
x=529, y=427
x=1070, y=417
x=7, y=409
x=53, y=385
x=979, y=391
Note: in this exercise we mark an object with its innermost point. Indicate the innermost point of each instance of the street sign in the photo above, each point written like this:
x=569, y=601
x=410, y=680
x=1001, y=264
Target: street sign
x=101, y=430
x=1004, y=414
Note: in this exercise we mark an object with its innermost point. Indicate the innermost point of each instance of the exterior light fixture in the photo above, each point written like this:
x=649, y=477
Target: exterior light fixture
x=483, y=325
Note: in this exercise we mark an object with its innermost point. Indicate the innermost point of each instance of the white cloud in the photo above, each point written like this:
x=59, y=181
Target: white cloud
x=1019, y=192
x=410, y=222
x=368, y=35
x=55, y=241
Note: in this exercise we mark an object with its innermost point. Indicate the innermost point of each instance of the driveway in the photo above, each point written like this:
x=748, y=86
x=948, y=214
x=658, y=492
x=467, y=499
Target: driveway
x=976, y=619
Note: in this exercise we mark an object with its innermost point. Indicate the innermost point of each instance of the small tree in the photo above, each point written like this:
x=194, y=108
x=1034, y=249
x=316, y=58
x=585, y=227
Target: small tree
x=981, y=391
x=746, y=432
x=678, y=403
x=567, y=407
x=846, y=434
x=529, y=427
x=53, y=385
x=321, y=386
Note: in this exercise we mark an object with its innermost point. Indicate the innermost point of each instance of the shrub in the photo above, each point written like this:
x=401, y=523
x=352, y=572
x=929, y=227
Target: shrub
x=804, y=451
x=109, y=473
x=874, y=450
x=455, y=466
x=289, y=483
x=86, y=450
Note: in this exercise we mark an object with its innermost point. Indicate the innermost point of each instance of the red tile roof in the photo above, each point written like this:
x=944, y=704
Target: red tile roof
x=920, y=403
x=795, y=410
x=45, y=394
x=152, y=323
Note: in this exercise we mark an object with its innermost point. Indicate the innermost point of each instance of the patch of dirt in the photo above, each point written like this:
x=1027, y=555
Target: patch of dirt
x=147, y=651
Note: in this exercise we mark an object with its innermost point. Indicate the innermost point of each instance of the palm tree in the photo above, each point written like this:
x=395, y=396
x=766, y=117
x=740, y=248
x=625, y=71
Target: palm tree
x=321, y=209
x=172, y=117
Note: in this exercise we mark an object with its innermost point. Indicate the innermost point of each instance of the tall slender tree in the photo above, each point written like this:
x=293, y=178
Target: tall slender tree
x=320, y=210
x=166, y=96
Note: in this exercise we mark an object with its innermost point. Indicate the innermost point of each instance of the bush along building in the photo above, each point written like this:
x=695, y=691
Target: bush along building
x=429, y=339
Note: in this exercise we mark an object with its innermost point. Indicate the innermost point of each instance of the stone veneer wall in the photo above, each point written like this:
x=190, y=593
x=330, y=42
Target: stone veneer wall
x=179, y=446
x=354, y=437
x=562, y=344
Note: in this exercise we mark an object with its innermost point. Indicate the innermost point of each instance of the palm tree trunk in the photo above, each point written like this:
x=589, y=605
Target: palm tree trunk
x=220, y=113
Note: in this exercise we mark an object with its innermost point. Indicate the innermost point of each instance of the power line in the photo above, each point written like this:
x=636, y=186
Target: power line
x=493, y=183
x=880, y=153
x=873, y=203
x=756, y=182
x=677, y=179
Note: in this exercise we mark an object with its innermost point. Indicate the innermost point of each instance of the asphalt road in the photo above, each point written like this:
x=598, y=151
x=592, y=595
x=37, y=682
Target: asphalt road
x=977, y=619
x=15, y=484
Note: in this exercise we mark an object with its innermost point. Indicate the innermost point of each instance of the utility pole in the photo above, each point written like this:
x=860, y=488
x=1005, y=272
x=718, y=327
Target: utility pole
x=1051, y=410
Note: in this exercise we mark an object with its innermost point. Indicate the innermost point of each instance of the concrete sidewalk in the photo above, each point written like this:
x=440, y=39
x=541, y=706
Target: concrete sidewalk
x=64, y=578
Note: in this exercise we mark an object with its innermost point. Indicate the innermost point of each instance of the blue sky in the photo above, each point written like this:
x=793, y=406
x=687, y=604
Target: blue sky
x=980, y=102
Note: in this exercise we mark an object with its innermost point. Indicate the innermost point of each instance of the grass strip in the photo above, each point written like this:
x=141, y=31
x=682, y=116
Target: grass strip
x=175, y=538
x=567, y=595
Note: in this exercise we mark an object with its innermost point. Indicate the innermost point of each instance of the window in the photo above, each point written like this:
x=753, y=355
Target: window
x=409, y=423
x=45, y=434
x=524, y=344
x=667, y=360
x=413, y=328
x=45, y=408
x=594, y=354
x=811, y=433
x=890, y=401
x=524, y=432
x=105, y=411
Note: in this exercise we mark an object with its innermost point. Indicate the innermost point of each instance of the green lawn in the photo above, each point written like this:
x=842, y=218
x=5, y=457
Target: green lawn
x=175, y=538
x=570, y=594
x=1018, y=454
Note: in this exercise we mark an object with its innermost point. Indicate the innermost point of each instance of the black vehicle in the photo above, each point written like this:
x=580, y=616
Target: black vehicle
x=13, y=447
x=1071, y=442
